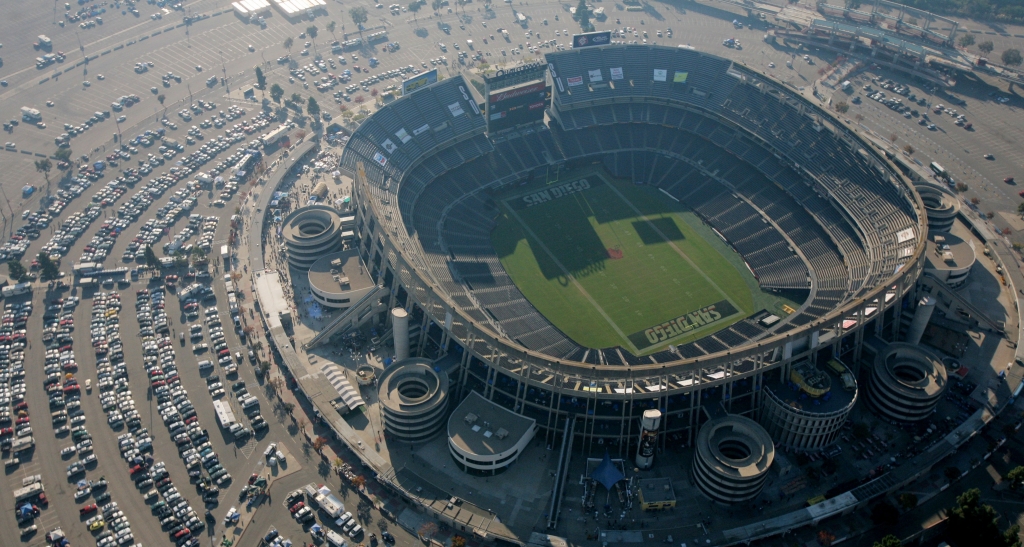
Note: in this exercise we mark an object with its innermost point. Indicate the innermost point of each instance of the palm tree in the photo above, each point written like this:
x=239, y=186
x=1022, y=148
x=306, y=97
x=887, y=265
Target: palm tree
x=414, y=6
x=330, y=28
x=311, y=31
x=359, y=16
x=288, y=43
x=43, y=166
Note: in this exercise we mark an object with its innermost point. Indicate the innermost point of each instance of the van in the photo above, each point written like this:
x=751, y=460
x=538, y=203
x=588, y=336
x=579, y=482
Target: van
x=250, y=402
x=13, y=462
x=205, y=364
x=335, y=539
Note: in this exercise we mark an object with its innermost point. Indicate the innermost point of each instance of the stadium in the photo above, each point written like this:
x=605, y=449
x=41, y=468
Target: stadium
x=627, y=227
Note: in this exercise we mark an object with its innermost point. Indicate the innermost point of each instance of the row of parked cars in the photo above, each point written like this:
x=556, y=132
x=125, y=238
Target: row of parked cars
x=176, y=516
x=14, y=417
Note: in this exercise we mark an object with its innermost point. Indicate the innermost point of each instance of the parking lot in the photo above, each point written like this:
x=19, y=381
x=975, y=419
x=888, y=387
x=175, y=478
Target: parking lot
x=102, y=220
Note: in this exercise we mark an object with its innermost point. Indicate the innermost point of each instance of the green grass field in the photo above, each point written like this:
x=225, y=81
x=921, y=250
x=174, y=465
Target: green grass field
x=611, y=263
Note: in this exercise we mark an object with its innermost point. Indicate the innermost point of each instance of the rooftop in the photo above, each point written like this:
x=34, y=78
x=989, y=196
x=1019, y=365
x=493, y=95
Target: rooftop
x=479, y=426
x=339, y=273
x=657, y=490
x=946, y=251
x=271, y=296
x=835, y=397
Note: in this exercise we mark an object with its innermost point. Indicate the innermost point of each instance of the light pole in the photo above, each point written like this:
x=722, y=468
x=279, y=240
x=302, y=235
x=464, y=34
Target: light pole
x=190, y=102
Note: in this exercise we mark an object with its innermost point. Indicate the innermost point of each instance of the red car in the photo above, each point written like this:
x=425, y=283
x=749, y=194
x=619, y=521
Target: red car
x=21, y=406
x=296, y=507
x=6, y=431
x=253, y=478
x=136, y=469
x=21, y=421
x=182, y=533
x=87, y=509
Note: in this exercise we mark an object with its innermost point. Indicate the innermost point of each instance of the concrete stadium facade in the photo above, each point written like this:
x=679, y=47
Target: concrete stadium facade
x=610, y=399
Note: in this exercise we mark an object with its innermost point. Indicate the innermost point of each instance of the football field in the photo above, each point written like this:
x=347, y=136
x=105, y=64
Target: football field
x=611, y=263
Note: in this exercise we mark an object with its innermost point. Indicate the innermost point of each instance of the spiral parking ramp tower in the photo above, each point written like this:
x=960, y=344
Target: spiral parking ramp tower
x=801, y=418
x=414, y=398
x=906, y=382
x=731, y=462
x=309, y=233
x=940, y=206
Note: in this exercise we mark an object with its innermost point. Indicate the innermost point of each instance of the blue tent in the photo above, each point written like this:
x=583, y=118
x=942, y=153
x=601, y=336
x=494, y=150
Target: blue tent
x=606, y=472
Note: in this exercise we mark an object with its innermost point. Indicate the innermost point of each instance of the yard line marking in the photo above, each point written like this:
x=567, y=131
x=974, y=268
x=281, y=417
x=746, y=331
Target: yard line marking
x=674, y=247
x=575, y=283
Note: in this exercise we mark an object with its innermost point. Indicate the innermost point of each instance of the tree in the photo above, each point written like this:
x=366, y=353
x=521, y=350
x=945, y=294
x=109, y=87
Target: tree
x=289, y=407
x=338, y=462
x=16, y=271
x=1011, y=57
x=414, y=7
x=428, y=530
x=151, y=260
x=48, y=268
x=62, y=154
x=888, y=541
x=990, y=215
x=966, y=40
x=161, y=98
x=893, y=137
x=276, y=92
x=313, y=108
x=583, y=14
x=436, y=4
x=859, y=117
x=825, y=538
x=1016, y=475
x=961, y=187
x=296, y=98
x=458, y=541
x=986, y=47
x=975, y=201
x=908, y=149
x=312, y=31
x=261, y=79
x=1020, y=208
x=908, y=501
x=180, y=260
x=359, y=481
x=974, y=523
x=318, y=444
x=359, y=16
x=842, y=107
x=43, y=166
x=288, y=43
x=885, y=514
x=330, y=28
